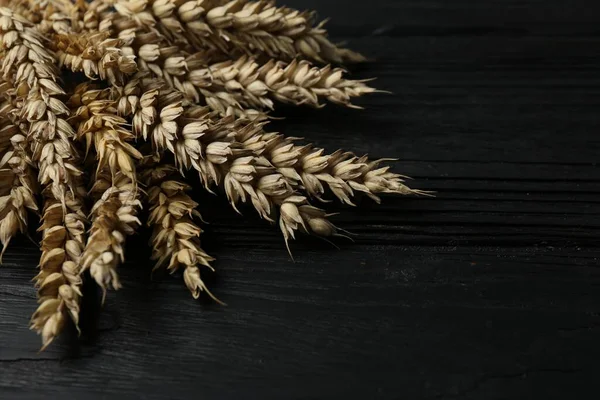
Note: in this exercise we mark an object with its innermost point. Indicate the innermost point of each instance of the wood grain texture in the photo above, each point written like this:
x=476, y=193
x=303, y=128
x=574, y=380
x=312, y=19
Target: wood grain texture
x=491, y=290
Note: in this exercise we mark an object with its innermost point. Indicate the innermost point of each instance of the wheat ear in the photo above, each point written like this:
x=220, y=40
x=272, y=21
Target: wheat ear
x=59, y=281
x=257, y=27
x=114, y=215
x=305, y=167
x=17, y=184
x=95, y=54
x=314, y=170
x=210, y=147
x=175, y=234
x=242, y=85
x=17, y=181
x=265, y=169
x=230, y=86
x=35, y=83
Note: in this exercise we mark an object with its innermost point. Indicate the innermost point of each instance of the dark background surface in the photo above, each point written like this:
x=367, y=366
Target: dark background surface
x=491, y=290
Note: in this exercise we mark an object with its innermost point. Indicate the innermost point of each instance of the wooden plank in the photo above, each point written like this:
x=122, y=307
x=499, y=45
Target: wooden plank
x=412, y=320
x=457, y=18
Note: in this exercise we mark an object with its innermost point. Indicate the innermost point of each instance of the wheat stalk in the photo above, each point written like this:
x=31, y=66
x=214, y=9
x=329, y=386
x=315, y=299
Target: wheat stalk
x=251, y=27
x=95, y=54
x=17, y=181
x=33, y=73
x=312, y=169
x=242, y=85
x=229, y=86
x=180, y=23
x=114, y=217
x=18, y=185
x=175, y=234
x=281, y=32
x=59, y=282
x=262, y=168
x=114, y=214
x=303, y=167
x=199, y=142
x=179, y=87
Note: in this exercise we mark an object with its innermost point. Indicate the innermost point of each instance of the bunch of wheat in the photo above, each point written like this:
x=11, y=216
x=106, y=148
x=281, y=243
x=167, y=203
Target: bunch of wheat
x=172, y=86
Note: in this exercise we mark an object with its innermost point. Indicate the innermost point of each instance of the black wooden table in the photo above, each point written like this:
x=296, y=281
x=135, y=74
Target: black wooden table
x=489, y=291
